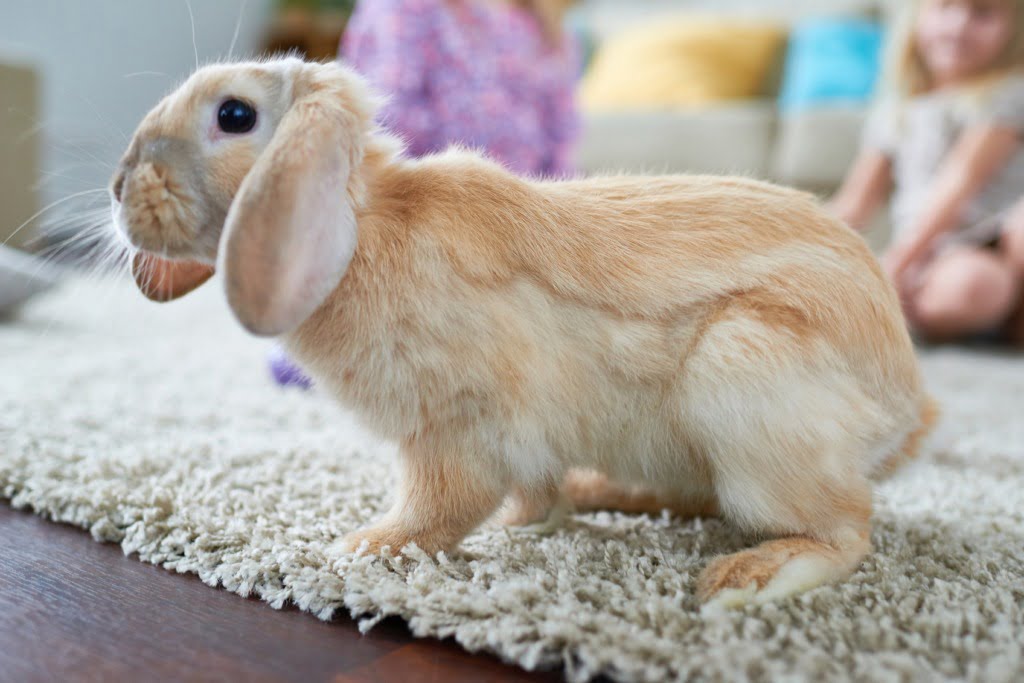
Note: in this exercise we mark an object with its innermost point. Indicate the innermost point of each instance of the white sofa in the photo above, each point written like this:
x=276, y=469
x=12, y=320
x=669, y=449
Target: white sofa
x=811, y=149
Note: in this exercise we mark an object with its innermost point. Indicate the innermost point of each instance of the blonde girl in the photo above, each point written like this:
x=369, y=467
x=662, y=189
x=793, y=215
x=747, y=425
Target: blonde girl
x=947, y=145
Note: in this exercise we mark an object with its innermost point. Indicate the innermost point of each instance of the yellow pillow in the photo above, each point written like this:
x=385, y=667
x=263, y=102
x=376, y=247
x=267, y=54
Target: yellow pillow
x=683, y=62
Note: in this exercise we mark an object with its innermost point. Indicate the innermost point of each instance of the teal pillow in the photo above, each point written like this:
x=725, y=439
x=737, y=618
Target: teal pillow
x=831, y=61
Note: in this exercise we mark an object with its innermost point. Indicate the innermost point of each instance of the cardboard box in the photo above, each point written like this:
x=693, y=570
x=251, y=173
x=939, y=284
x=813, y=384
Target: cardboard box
x=19, y=151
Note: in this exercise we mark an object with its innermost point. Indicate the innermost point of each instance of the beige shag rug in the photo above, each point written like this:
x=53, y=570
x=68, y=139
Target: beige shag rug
x=157, y=427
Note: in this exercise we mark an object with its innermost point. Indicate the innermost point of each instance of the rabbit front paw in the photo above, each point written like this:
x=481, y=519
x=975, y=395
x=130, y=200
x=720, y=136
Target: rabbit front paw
x=372, y=540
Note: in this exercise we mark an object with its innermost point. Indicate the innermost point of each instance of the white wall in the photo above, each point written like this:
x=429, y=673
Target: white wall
x=87, y=51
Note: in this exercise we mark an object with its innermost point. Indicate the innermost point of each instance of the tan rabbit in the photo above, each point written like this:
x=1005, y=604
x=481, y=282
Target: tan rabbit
x=710, y=345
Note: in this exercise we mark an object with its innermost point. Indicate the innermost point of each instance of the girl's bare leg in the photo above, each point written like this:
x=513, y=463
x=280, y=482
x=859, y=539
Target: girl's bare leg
x=1012, y=247
x=964, y=291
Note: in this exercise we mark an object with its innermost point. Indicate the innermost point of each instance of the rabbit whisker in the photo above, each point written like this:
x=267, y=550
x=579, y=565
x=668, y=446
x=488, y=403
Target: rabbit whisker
x=104, y=120
x=46, y=208
x=192, y=19
x=146, y=73
x=238, y=28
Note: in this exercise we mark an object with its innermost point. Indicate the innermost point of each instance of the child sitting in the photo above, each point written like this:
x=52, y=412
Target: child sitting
x=949, y=145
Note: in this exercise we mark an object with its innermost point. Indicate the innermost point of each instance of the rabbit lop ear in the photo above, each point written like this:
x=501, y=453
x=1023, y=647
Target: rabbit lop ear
x=164, y=280
x=291, y=230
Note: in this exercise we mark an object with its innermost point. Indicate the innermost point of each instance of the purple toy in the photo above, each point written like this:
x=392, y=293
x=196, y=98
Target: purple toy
x=285, y=372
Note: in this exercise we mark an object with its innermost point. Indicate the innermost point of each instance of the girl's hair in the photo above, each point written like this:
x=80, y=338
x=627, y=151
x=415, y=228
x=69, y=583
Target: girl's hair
x=551, y=15
x=908, y=74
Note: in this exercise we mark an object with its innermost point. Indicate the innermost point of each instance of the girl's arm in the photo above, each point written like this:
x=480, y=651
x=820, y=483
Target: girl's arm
x=392, y=43
x=979, y=154
x=865, y=188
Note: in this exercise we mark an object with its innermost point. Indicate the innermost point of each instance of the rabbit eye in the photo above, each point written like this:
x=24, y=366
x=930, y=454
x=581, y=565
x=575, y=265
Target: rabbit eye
x=236, y=117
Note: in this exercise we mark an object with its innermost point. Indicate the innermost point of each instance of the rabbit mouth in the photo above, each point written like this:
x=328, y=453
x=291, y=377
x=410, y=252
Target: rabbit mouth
x=157, y=214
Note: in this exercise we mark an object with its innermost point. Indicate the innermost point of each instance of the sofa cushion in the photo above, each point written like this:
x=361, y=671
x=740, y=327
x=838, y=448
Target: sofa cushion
x=606, y=18
x=683, y=61
x=733, y=138
x=816, y=147
x=831, y=60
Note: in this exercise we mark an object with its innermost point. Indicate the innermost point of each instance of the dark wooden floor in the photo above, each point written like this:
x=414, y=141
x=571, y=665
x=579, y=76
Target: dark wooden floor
x=72, y=609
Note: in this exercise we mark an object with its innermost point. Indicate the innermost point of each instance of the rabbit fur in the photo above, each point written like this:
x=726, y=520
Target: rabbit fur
x=710, y=345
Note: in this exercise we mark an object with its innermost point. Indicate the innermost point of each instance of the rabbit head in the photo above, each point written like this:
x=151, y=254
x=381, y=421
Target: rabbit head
x=251, y=169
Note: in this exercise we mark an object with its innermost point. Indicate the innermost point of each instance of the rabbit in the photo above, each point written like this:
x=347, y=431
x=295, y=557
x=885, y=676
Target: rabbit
x=710, y=345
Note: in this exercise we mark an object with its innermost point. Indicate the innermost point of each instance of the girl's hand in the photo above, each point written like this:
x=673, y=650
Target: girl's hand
x=903, y=260
x=1014, y=222
x=865, y=189
x=981, y=152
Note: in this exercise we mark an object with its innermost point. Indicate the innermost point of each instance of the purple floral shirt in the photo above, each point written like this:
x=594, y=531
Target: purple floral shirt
x=480, y=74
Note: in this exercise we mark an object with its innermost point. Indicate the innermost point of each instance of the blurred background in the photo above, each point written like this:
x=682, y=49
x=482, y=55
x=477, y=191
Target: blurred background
x=774, y=89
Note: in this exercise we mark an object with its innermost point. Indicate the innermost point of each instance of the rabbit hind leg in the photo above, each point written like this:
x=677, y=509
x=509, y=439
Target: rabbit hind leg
x=590, y=491
x=789, y=442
